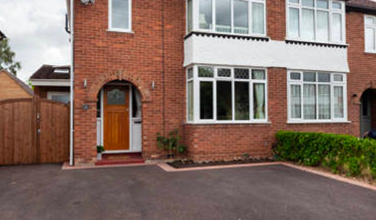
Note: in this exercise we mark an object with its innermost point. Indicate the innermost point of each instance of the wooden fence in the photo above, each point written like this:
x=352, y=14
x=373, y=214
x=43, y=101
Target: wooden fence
x=33, y=131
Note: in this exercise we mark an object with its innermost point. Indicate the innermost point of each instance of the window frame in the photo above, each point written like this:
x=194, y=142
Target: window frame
x=332, y=84
x=50, y=94
x=196, y=20
x=366, y=26
x=196, y=97
x=330, y=10
x=110, y=28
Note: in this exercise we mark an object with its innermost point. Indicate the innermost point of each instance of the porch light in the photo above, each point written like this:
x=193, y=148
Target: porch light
x=86, y=2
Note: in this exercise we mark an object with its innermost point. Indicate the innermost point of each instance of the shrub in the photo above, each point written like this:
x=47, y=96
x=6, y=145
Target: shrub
x=339, y=153
x=171, y=143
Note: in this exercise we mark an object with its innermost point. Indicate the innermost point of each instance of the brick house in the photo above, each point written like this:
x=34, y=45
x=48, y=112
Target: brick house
x=228, y=74
x=52, y=82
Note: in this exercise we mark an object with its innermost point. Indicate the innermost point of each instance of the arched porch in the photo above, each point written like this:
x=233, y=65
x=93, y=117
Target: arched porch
x=367, y=111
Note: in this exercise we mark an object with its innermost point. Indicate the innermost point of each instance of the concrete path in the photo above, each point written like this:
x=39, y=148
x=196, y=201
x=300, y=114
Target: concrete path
x=249, y=193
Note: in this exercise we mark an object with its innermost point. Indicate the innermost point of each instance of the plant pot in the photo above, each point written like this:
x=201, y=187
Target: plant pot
x=99, y=156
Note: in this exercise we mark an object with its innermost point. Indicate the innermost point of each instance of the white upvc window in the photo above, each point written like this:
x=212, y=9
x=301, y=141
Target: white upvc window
x=370, y=33
x=238, y=17
x=321, y=21
x=315, y=97
x=226, y=94
x=120, y=15
x=63, y=97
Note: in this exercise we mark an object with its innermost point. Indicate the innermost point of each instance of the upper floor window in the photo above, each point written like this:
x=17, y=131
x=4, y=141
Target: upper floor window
x=245, y=17
x=316, y=20
x=120, y=15
x=370, y=33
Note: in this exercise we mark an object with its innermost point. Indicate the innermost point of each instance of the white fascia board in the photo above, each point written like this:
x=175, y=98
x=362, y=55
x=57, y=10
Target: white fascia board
x=51, y=82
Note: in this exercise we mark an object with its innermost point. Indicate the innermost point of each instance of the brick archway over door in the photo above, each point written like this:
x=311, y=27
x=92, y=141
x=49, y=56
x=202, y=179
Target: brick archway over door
x=99, y=82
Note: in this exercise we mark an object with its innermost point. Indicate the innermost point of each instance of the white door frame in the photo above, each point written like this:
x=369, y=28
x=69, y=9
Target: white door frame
x=130, y=86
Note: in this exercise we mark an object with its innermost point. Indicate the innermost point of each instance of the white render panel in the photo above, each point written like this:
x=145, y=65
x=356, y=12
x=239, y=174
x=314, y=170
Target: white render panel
x=243, y=52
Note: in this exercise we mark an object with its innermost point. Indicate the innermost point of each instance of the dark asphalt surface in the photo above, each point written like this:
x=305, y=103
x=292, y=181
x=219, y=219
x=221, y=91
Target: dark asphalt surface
x=267, y=193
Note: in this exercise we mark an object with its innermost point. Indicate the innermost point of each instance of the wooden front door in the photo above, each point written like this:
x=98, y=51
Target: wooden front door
x=116, y=118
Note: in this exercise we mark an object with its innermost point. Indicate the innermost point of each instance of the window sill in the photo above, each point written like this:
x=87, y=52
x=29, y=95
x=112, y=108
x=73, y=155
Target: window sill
x=229, y=123
x=319, y=122
x=370, y=52
x=316, y=43
x=228, y=35
x=120, y=31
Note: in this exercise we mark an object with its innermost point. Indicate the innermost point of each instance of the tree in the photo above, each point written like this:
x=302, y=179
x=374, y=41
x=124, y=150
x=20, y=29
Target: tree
x=7, y=58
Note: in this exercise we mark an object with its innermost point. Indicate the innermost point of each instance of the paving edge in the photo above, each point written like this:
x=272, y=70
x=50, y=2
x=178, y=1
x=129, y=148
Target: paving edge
x=169, y=168
x=331, y=176
x=86, y=167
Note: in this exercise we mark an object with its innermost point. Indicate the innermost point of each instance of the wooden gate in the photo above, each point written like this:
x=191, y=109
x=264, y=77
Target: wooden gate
x=33, y=131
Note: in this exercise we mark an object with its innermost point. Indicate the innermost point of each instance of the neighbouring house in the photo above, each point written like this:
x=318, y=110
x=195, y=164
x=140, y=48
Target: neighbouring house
x=228, y=74
x=52, y=82
x=13, y=88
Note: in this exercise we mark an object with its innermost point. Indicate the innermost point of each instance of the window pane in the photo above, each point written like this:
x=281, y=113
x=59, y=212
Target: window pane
x=309, y=98
x=293, y=22
x=120, y=13
x=189, y=15
x=338, y=102
x=338, y=78
x=336, y=5
x=224, y=101
x=296, y=101
x=324, y=77
x=294, y=1
x=224, y=72
x=322, y=4
x=223, y=15
x=309, y=77
x=322, y=26
x=324, y=101
x=308, y=24
x=259, y=100
x=309, y=3
x=190, y=101
x=190, y=73
x=241, y=73
x=206, y=100
x=206, y=14
x=242, y=101
x=205, y=72
x=116, y=97
x=241, y=17
x=370, y=21
x=258, y=74
x=337, y=28
x=295, y=76
x=61, y=98
x=370, y=39
x=258, y=22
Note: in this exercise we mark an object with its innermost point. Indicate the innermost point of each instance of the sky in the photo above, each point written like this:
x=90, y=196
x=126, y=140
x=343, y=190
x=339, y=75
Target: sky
x=36, y=32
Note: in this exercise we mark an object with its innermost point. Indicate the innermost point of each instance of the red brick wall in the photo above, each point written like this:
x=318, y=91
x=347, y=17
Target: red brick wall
x=99, y=52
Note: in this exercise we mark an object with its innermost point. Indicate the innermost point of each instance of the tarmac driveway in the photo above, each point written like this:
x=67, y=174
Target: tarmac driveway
x=267, y=193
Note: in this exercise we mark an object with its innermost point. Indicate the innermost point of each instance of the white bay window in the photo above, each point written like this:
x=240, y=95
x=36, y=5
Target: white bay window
x=316, y=20
x=242, y=17
x=370, y=33
x=316, y=97
x=226, y=95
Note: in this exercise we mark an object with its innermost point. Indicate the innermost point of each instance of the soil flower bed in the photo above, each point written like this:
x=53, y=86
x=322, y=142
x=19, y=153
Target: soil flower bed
x=178, y=164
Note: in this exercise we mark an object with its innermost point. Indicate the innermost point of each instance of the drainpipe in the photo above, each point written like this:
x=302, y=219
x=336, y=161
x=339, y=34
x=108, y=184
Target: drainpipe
x=71, y=144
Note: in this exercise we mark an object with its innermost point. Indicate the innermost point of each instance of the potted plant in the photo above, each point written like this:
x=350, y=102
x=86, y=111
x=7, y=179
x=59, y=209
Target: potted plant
x=100, y=149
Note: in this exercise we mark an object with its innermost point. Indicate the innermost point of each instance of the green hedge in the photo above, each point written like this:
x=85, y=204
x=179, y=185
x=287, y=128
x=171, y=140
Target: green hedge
x=340, y=153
